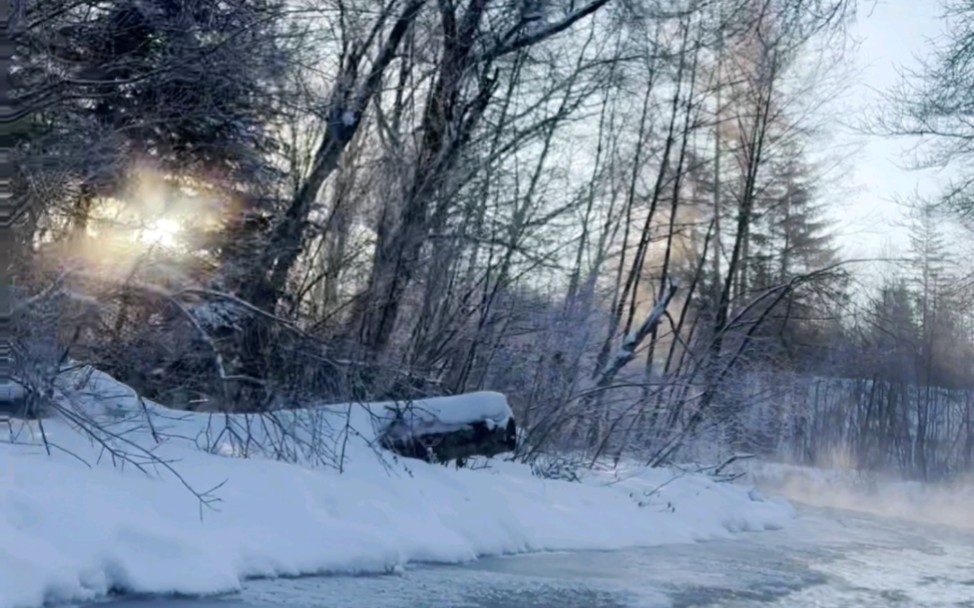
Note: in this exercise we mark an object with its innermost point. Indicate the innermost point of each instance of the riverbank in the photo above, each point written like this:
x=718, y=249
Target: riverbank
x=77, y=526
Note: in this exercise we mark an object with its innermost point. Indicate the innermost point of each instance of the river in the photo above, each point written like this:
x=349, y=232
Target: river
x=829, y=558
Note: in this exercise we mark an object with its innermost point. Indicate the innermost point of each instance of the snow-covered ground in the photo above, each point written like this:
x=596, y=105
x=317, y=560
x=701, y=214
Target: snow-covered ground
x=74, y=526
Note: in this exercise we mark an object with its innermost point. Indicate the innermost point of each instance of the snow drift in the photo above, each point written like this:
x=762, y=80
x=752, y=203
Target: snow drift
x=75, y=527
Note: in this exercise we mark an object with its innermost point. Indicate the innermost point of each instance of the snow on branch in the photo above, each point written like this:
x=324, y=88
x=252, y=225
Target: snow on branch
x=627, y=352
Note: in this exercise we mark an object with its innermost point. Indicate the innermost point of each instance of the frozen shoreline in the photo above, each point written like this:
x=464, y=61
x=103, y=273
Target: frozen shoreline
x=73, y=532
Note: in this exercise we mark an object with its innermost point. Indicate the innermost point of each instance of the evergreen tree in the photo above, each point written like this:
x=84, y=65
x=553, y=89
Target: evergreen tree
x=190, y=88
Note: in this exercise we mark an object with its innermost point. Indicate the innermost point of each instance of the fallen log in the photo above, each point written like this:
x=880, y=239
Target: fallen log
x=451, y=428
x=13, y=400
x=477, y=440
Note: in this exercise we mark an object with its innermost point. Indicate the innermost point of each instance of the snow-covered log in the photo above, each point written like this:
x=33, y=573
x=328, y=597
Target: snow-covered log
x=13, y=400
x=450, y=428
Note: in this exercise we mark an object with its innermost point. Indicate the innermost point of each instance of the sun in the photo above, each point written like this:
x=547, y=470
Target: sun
x=161, y=232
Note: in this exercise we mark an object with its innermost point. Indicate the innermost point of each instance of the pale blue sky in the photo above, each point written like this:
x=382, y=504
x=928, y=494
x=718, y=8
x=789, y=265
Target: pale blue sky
x=891, y=34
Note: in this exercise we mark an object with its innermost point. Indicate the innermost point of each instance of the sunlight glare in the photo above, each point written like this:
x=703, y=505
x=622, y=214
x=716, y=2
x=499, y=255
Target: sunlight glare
x=160, y=232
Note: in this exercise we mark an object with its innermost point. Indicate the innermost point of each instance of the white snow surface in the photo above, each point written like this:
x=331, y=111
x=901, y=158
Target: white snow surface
x=445, y=414
x=75, y=527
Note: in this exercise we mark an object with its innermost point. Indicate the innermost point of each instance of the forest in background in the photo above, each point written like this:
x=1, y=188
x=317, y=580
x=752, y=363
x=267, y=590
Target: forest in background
x=612, y=211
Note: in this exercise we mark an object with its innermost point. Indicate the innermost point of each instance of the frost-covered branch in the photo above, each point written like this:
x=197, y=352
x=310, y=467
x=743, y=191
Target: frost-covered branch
x=627, y=351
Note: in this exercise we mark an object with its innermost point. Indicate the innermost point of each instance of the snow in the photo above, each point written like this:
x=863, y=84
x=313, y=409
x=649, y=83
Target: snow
x=75, y=527
x=446, y=414
x=214, y=316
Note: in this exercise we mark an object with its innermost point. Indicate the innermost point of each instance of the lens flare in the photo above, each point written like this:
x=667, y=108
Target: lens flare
x=161, y=232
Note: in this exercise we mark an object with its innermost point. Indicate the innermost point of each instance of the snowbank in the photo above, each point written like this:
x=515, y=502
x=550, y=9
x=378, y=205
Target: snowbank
x=869, y=492
x=73, y=531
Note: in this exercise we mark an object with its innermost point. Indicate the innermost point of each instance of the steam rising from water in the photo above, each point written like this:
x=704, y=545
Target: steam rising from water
x=949, y=504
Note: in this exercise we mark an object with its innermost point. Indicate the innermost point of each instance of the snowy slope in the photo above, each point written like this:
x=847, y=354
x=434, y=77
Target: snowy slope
x=74, y=531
